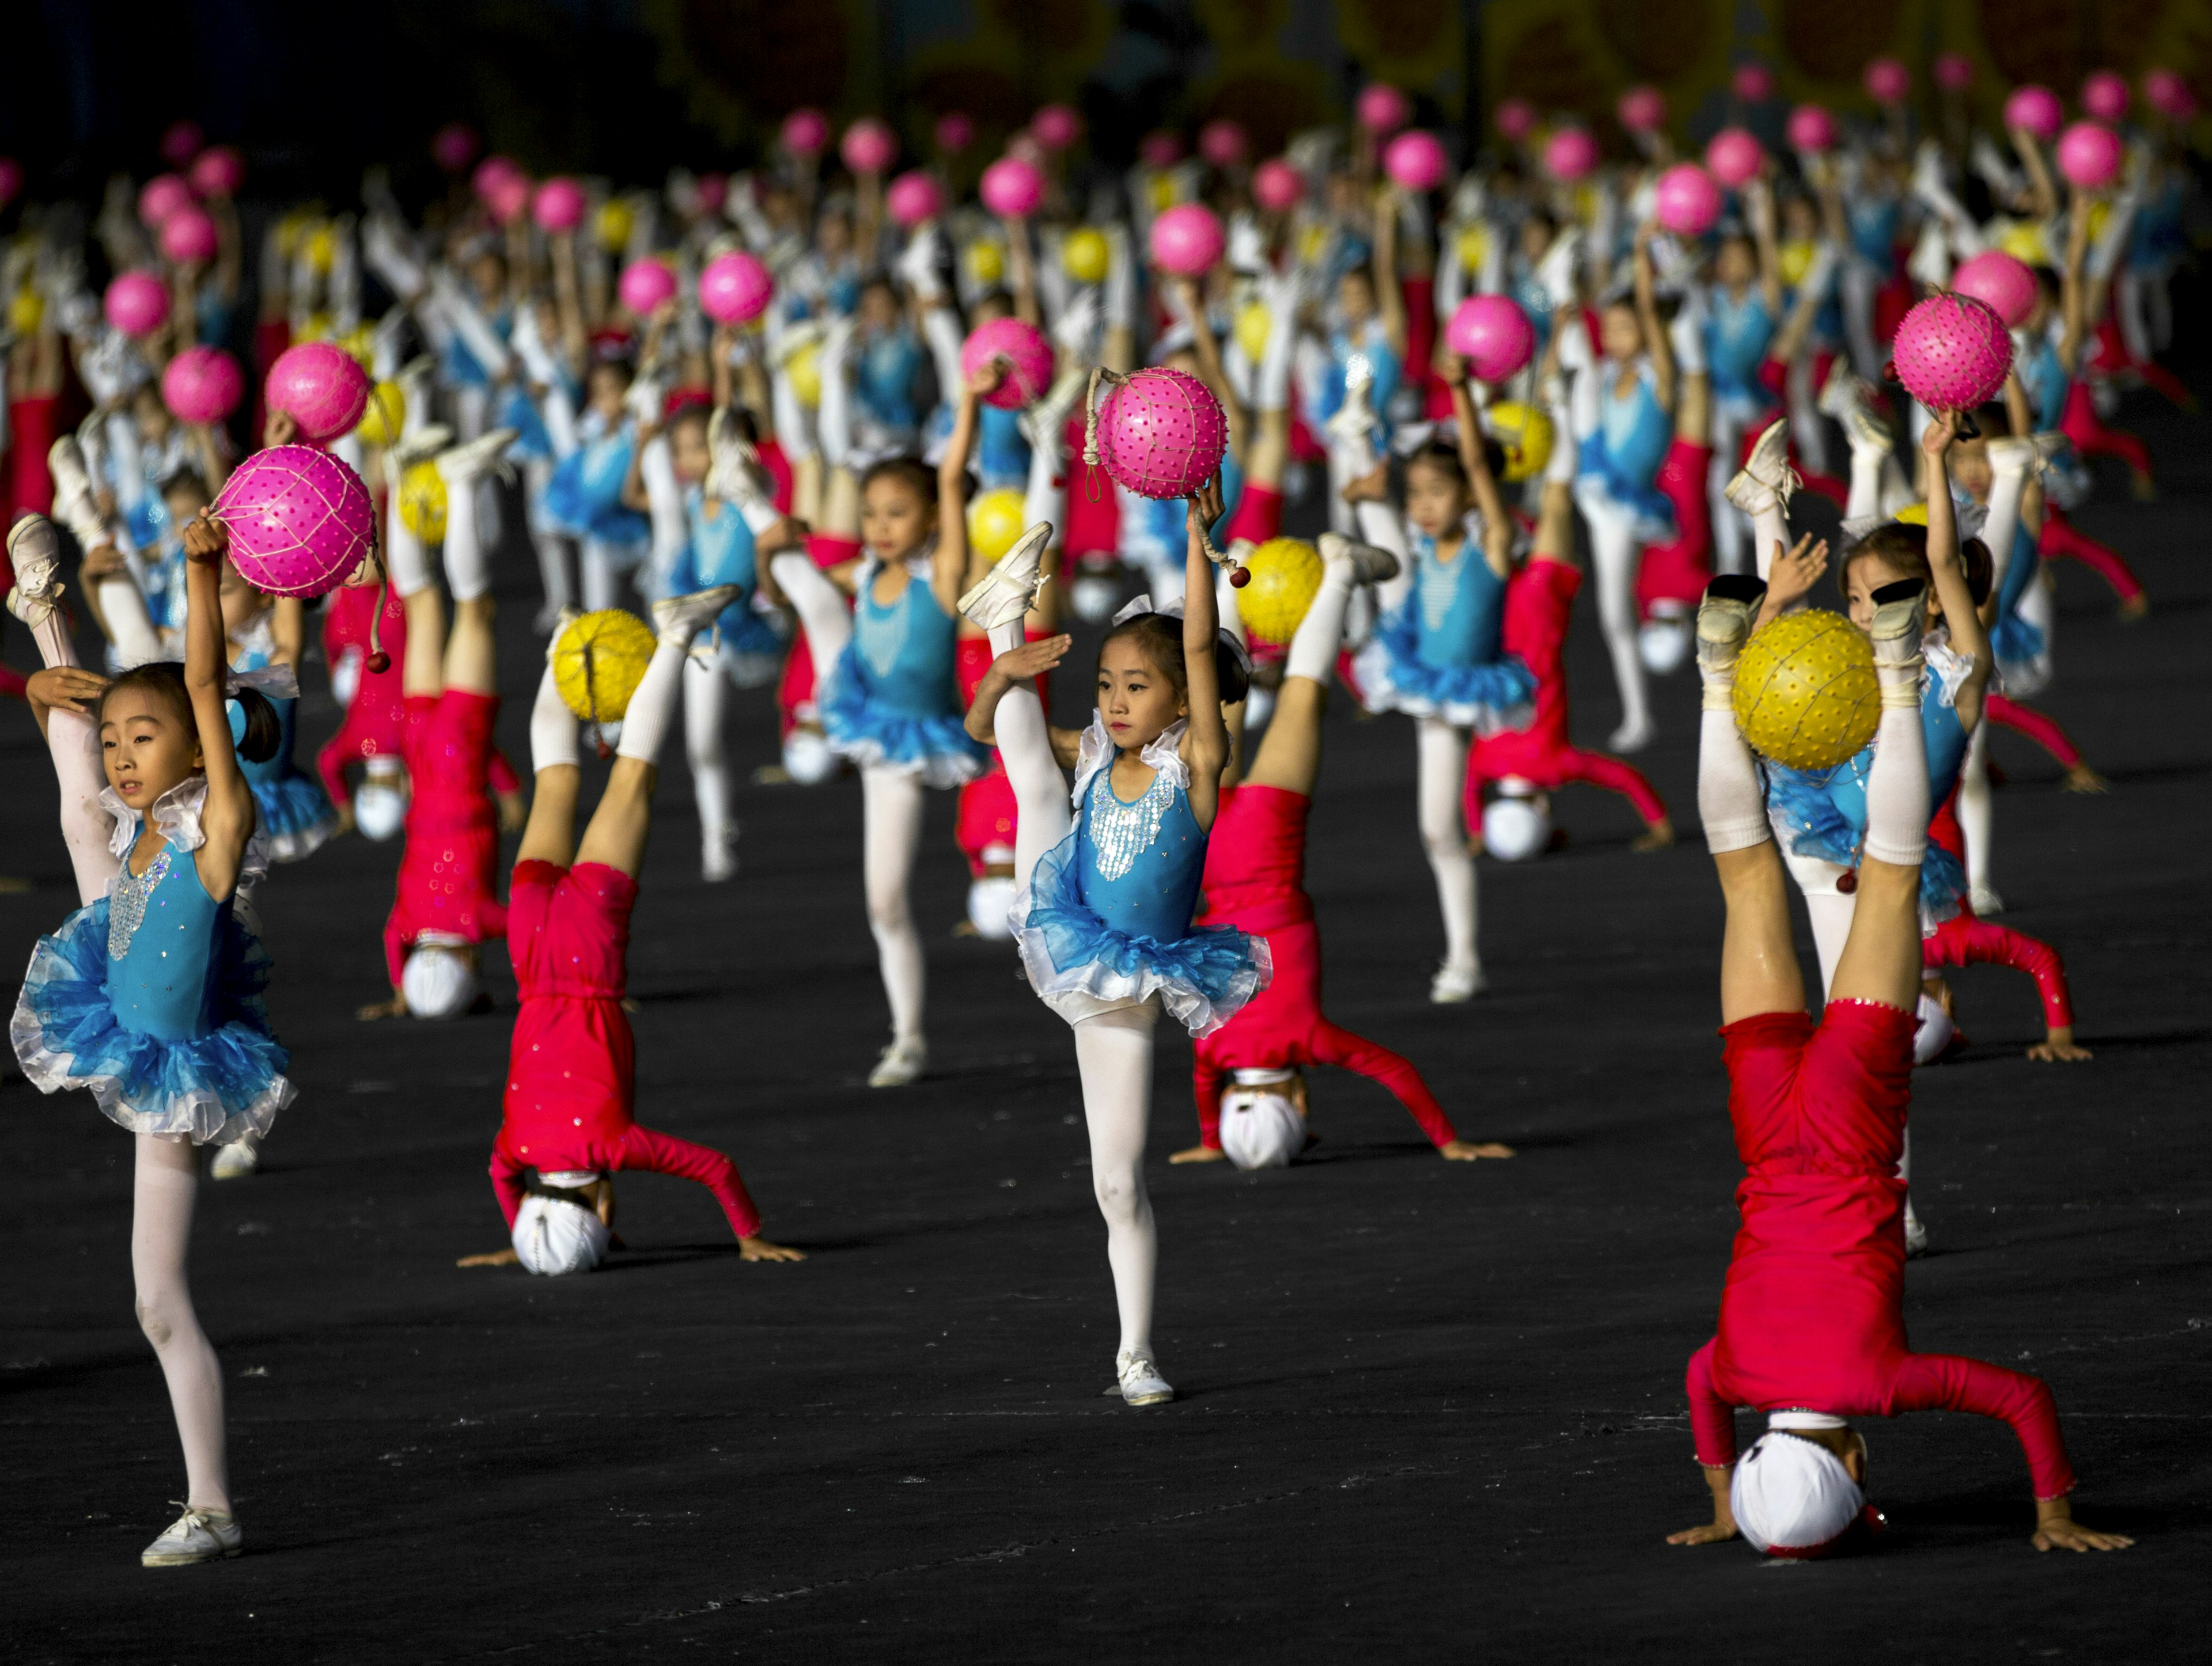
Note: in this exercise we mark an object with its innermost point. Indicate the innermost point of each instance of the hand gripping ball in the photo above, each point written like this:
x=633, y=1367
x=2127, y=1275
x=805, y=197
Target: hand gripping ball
x=1493, y=335
x=1161, y=433
x=1286, y=574
x=1524, y=433
x=422, y=502
x=646, y=286
x=2090, y=154
x=1952, y=352
x=869, y=145
x=202, y=384
x=915, y=196
x=321, y=386
x=1028, y=355
x=1187, y=240
x=301, y=521
x=1686, y=201
x=2105, y=95
x=1806, y=694
x=1734, y=156
x=1569, y=155
x=384, y=418
x=2037, y=109
x=1887, y=80
x=1416, y=160
x=995, y=520
x=1516, y=119
x=1383, y=109
x=1012, y=187
x=1642, y=110
x=1277, y=186
x=735, y=287
x=136, y=303
x=2001, y=281
x=1084, y=254
x=599, y=660
x=1810, y=127
x=189, y=236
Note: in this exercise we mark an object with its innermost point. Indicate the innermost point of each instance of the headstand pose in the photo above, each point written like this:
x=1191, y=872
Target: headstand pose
x=1811, y=1327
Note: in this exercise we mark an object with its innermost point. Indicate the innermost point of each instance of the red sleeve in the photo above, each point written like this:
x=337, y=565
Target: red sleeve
x=2031, y=956
x=506, y=1181
x=1944, y=1382
x=501, y=774
x=663, y=1154
x=1712, y=1419
x=1206, y=1079
x=1332, y=1043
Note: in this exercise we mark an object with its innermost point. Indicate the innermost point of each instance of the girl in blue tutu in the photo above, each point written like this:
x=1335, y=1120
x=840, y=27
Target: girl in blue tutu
x=583, y=498
x=265, y=636
x=1103, y=916
x=151, y=996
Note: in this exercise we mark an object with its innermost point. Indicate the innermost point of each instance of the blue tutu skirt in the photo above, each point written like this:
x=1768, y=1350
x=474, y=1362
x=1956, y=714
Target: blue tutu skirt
x=875, y=734
x=1608, y=487
x=213, y=1088
x=1080, y=966
x=1806, y=822
x=295, y=813
x=571, y=506
x=751, y=651
x=1394, y=677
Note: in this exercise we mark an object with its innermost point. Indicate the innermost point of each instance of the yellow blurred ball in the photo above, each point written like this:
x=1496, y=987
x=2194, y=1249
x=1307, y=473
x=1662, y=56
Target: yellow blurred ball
x=995, y=519
x=1794, y=259
x=803, y=370
x=1805, y=690
x=26, y=312
x=385, y=416
x=1255, y=324
x=1084, y=256
x=422, y=502
x=1473, y=247
x=2023, y=239
x=1524, y=433
x=986, y=265
x=1913, y=514
x=316, y=328
x=290, y=229
x=614, y=222
x=599, y=660
x=1285, y=575
x=361, y=342
x=322, y=250
x=1313, y=244
x=1162, y=188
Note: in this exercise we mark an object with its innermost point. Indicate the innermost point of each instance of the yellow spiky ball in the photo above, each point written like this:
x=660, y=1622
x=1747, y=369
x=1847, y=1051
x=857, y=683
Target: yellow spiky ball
x=1286, y=576
x=1913, y=514
x=27, y=311
x=1524, y=432
x=422, y=502
x=995, y=519
x=1255, y=324
x=599, y=660
x=385, y=416
x=1084, y=254
x=1472, y=246
x=1805, y=690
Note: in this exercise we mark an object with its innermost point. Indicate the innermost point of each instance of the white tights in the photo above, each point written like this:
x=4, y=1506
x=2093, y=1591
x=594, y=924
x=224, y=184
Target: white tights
x=603, y=576
x=163, y=1190
x=1614, y=552
x=706, y=699
x=74, y=744
x=1977, y=812
x=1442, y=752
x=892, y=801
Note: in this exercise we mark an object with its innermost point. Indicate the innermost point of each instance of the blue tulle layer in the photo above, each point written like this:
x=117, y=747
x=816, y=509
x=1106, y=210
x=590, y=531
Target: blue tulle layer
x=570, y=504
x=1653, y=508
x=295, y=813
x=1394, y=677
x=2014, y=640
x=1809, y=824
x=873, y=733
x=1080, y=965
x=213, y=1088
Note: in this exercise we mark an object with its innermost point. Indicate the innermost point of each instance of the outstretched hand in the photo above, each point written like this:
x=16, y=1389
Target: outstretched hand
x=65, y=688
x=2057, y=1529
x=497, y=1258
x=206, y=539
x=1467, y=1151
x=1032, y=659
x=1198, y=1154
x=1711, y=1532
x=1794, y=573
x=983, y=381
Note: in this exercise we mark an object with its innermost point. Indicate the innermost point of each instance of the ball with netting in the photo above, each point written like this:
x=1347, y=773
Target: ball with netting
x=422, y=502
x=1286, y=575
x=1806, y=695
x=995, y=519
x=1161, y=433
x=599, y=660
x=301, y=521
x=1524, y=433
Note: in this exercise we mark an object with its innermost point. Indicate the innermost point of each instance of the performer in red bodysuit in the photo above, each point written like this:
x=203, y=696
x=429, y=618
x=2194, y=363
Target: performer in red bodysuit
x=1812, y=1325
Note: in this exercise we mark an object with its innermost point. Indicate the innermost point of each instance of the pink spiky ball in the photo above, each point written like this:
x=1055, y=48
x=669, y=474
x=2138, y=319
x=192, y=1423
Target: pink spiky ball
x=299, y=520
x=2001, y=281
x=1953, y=72
x=559, y=205
x=2090, y=154
x=1952, y=352
x=804, y=132
x=1277, y=186
x=1223, y=141
x=1012, y=187
x=188, y=235
x=162, y=196
x=218, y=171
x=1734, y=156
x=2105, y=95
x=136, y=303
x=1028, y=355
x=1416, y=160
x=955, y=132
x=321, y=386
x=1161, y=433
x=735, y=287
x=1753, y=83
x=1493, y=335
x=2037, y=109
x=1686, y=201
x=1810, y=127
x=1571, y=154
x=1056, y=126
x=869, y=145
x=915, y=196
x=1888, y=80
x=1187, y=240
x=1516, y=119
x=202, y=384
x=1642, y=110
x=1383, y=109
x=646, y=286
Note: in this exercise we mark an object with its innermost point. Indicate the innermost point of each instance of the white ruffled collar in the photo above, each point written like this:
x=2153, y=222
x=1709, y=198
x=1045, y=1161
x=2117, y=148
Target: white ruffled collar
x=1946, y=665
x=177, y=818
x=921, y=565
x=1097, y=751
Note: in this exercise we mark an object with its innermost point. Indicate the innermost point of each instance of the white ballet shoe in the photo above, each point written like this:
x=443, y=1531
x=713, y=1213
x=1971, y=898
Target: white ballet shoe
x=1724, y=620
x=1454, y=984
x=734, y=470
x=1901, y=617
x=1041, y=423
x=1004, y=594
x=1767, y=480
x=1868, y=435
x=74, y=506
x=1370, y=566
x=463, y=463
x=678, y=619
x=2011, y=454
x=1139, y=1382
x=198, y=1535
x=1634, y=735
x=1355, y=419
x=35, y=551
x=1984, y=901
x=1916, y=1236
x=902, y=1063
x=1839, y=394
x=236, y=1161
x=419, y=444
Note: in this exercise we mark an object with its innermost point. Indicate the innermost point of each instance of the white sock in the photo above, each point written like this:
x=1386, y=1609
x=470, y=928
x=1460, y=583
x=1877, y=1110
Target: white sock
x=890, y=836
x=130, y=628
x=1897, y=787
x=1730, y=804
x=1046, y=496
x=1314, y=644
x=705, y=695
x=645, y=719
x=468, y=569
x=1442, y=754
x=404, y=562
x=1977, y=811
x=552, y=727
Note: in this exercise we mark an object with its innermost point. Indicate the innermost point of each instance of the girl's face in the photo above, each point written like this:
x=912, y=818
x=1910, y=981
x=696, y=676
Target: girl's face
x=1620, y=335
x=1800, y=220
x=184, y=504
x=152, y=417
x=687, y=450
x=879, y=309
x=1969, y=463
x=833, y=236
x=1355, y=295
x=609, y=384
x=1137, y=699
x=242, y=603
x=488, y=273
x=145, y=747
x=1736, y=264
x=1536, y=236
x=1435, y=500
x=895, y=519
x=1868, y=574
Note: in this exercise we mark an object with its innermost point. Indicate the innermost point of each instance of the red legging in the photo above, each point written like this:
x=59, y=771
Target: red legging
x=2061, y=540
x=2080, y=423
x=2043, y=730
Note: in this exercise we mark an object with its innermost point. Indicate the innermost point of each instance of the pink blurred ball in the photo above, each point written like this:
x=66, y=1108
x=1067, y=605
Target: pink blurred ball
x=2000, y=282
x=1416, y=160
x=1753, y=83
x=1952, y=352
x=1187, y=240
x=299, y=520
x=490, y=173
x=1642, y=110
x=955, y=133
x=714, y=192
x=558, y=205
x=1810, y=127
x=1056, y=126
x=1028, y=354
x=1734, y=157
x=1887, y=82
x=1161, y=433
x=1686, y=201
x=1516, y=119
x=1159, y=149
x=2105, y=95
x=188, y=235
x=162, y=196
x=1383, y=109
x=869, y=145
x=202, y=384
x=1493, y=335
x=804, y=132
x=2164, y=90
x=453, y=146
x=1222, y=142
x=2090, y=154
x=321, y=386
x=1277, y=186
x=2037, y=109
x=735, y=287
x=11, y=179
x=181, y=143
x=1012, y=187
x=1953, y=72
x=915, y=196
x=508, y=198
x=645, y=286
x=1569, y=155
x=218, y=171
x=136, y=303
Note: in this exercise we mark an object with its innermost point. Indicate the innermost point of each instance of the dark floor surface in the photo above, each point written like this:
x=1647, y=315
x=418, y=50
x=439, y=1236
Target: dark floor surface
x=1429, y=1408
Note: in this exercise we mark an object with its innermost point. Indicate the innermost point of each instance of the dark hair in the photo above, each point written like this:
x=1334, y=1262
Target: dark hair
x=1905, y=547
x=911, y=470
x=184, y=476
x=1444, y=454
x=1993, y=420
x=1158, y=637
x=164, y=679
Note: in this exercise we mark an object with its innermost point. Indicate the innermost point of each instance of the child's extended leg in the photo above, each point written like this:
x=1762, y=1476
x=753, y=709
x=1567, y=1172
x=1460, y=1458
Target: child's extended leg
x=706, y=701
x=1113, y=1053
x=162, y=1195
x=71, y=737
x=822, y=610
x=1614, y=551
x=999, y=606
x=1290, y=753
x=549, y=835
x=470, y=660
x=892, y=802
x=1978, y=822
x=1881, y=960
x=1442, y=764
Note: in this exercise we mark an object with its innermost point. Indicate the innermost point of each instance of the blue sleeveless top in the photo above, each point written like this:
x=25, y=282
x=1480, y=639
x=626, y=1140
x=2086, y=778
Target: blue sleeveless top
x=294, y=813
x=584, y=497
x=1458, y=606
x=721, y=551
x=883, y=380
x=1622, y=459
x=2045, y=379
x=891, y=699
x=1441, y=652
x=1002, y=450
x=1737, y=335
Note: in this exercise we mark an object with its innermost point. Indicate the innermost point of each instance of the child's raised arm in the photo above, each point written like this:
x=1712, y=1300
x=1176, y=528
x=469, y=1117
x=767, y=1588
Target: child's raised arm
x=1498, y=522
x=1206, y=745
x=949, y=573
x=1960, y=616
x=227, y=817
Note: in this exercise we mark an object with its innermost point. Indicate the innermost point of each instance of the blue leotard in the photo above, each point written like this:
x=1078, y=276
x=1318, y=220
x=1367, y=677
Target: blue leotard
x=584, y=497
x=1737, y=336
x=720, y=551
x=1620, y=460
x=1441, y=652
x=890, y=702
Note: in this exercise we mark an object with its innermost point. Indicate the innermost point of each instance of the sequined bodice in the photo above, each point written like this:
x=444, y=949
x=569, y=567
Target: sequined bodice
x=1143, y=860
x=161, y=927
